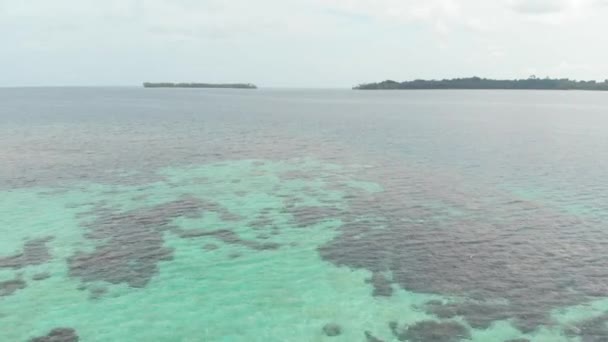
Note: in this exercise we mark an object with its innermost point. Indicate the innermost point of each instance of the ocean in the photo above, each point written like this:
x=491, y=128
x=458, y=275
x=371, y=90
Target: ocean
x=131, y=214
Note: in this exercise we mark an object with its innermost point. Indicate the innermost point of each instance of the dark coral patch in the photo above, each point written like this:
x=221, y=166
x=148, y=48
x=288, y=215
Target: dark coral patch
x=9, y=287
x=131, y=243
x=41, y=276
x=425, y=331
x=382, y=286
x=297, y=175
x=436, y=238
x=371, y=338
x=227, y=236
x=332, y=329
x=98, y=292
x=35, y=252
x=231, y=237
x=306, y=216
x=129, y=260
x=224, y=214
x=478, y=315
x=261, y=222
x=590, y=330
x=58, y=335
x=210, y=247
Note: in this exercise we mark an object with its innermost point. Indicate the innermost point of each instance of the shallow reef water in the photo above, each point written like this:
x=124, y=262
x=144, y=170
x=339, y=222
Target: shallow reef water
x=326, y=257
x=338, y=226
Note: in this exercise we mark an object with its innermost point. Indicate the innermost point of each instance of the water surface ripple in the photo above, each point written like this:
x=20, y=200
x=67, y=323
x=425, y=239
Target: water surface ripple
x=302, y=215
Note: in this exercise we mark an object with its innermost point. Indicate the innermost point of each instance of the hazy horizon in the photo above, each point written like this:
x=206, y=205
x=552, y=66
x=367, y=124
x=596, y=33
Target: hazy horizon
x=299, y=44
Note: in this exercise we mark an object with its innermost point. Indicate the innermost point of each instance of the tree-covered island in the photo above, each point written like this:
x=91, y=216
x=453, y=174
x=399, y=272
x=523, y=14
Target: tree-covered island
x=484, y=83
x=200, y=85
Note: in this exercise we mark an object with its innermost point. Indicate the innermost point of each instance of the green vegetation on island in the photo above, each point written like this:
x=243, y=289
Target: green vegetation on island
x=199, y=85
x=484, y=83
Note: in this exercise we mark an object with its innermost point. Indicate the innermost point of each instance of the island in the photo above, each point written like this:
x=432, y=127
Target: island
x=484, y=83
x=200, y=85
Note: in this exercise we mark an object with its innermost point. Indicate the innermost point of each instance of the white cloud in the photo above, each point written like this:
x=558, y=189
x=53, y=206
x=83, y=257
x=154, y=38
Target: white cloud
x=539, y=6
x=398, y=10
x=299, y=42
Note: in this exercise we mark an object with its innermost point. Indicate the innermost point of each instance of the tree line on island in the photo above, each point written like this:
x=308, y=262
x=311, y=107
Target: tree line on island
x=484, y=83
x=200, y=85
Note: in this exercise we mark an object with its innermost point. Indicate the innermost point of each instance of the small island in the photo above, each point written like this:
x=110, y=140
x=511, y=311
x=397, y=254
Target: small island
x=531, y=83
x=200, y=85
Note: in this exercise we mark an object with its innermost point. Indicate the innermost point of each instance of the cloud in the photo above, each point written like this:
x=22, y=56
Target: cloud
x=496, y=51
x=298, y=42
x=549, y=7
x=539, y=6
x=395, y=10
x=440, y=16
x=566, y=67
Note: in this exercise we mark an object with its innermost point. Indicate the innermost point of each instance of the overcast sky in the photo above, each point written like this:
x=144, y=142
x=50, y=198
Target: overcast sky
x=298, y=43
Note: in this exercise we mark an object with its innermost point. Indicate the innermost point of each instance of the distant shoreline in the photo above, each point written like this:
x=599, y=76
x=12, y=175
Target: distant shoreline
x=476, y=83
x=200, y=85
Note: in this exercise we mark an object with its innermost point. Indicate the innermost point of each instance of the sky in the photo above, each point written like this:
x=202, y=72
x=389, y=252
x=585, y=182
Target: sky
x=298, y=43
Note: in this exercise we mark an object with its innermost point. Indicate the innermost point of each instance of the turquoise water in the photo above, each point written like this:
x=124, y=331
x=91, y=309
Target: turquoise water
x=303, y=215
